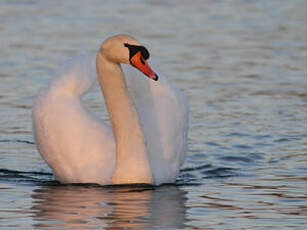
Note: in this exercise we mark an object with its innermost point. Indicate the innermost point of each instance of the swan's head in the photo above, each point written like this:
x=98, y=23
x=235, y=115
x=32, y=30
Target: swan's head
x=125, y=49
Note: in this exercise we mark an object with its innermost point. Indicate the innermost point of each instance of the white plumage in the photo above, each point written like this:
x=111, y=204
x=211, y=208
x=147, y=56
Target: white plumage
x=82, y=149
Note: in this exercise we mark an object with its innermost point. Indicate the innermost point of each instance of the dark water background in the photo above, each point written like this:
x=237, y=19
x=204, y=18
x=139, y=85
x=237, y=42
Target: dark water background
x=242, y=65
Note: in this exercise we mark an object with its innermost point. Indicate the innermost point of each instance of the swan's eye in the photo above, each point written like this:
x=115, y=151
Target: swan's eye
x=145, y=53
x=133, y=49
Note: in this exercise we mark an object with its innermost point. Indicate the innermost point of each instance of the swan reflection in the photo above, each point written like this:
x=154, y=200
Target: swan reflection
x=92, y=207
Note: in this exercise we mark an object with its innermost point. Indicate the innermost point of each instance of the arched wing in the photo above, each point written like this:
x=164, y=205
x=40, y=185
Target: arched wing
x=163, y=112
x=76, y=145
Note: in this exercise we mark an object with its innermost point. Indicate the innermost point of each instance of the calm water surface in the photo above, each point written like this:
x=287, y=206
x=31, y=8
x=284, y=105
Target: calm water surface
x=242, y=65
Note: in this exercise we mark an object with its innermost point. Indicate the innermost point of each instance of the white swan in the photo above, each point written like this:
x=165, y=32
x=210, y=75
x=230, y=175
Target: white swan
x=149, y=120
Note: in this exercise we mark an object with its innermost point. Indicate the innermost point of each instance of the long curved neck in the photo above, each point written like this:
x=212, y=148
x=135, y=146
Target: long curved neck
x=132, y=165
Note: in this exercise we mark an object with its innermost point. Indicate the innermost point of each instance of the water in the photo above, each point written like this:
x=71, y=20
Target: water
x=242, y=65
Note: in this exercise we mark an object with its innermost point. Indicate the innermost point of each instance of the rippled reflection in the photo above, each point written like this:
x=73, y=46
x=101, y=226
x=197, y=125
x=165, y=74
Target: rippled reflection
x=93, y=207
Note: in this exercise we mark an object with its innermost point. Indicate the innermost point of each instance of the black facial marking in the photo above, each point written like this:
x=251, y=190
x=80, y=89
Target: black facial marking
x=133, y=49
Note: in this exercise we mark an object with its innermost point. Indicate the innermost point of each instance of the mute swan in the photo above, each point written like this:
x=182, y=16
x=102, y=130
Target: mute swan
x=149, y=120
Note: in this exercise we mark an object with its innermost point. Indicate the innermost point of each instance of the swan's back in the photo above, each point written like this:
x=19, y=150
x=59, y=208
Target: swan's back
x=78, y=147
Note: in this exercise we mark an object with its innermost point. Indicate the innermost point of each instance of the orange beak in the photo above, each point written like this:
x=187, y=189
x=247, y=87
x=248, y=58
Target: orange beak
x=140, y=63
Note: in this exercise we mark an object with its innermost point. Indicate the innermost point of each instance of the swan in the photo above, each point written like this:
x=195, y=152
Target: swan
x=147, y=140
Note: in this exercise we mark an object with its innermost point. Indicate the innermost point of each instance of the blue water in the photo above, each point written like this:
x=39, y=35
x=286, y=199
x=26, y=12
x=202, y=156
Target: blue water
x=242, y=65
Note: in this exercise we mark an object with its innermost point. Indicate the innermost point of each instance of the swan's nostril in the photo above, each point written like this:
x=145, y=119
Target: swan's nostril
x=142, y=61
